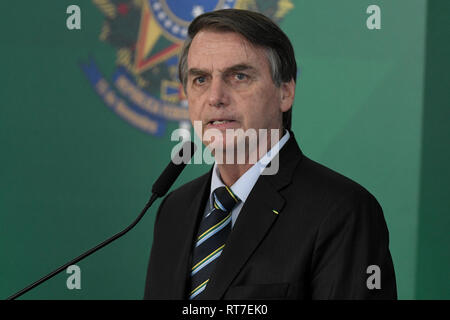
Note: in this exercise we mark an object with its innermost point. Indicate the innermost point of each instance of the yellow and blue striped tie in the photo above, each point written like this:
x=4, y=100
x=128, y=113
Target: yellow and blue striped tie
x=210, y=242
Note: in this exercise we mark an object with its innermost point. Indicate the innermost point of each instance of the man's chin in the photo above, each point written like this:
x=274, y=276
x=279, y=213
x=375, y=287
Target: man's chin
x=220, y=146
x=228, y=152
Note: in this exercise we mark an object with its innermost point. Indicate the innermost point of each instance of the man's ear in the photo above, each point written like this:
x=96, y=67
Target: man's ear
x=287, y=95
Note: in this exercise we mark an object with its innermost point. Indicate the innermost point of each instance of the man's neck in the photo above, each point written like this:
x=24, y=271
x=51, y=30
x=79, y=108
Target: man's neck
x=230, y=173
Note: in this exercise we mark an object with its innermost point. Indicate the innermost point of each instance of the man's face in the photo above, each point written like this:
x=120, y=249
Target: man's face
x=229, y=80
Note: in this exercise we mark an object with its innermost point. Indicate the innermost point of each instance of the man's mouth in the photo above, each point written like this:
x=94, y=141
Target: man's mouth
x=221, y=123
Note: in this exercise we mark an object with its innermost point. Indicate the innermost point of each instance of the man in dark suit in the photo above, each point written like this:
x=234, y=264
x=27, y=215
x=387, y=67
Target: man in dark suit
x=243, y=230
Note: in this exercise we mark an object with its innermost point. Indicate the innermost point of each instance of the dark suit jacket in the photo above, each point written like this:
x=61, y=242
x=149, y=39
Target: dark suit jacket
x=328, y=231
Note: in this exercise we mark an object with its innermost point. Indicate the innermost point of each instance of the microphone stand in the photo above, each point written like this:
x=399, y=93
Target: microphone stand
x=159, y=189
x=87, y=253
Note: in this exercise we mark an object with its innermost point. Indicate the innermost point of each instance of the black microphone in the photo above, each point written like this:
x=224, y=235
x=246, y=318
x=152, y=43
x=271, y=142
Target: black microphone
x=159, y=189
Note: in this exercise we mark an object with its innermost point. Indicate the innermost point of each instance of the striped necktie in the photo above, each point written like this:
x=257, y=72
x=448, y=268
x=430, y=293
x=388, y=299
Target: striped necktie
x=210, y=241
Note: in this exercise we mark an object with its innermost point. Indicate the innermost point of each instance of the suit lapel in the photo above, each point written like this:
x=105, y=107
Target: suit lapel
x=190, y=217
x=255, y=220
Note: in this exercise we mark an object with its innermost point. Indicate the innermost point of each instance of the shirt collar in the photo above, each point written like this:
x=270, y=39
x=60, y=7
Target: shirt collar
x=245, y=183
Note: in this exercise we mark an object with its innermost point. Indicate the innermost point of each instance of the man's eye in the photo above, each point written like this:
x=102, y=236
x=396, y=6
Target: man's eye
x=199, y=80
x=240, y=76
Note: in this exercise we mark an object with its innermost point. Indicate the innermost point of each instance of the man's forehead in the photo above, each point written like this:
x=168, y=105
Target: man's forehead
x=224, y=47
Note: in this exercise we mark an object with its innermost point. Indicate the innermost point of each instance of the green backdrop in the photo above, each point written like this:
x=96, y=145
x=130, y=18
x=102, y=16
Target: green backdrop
x=370, y=104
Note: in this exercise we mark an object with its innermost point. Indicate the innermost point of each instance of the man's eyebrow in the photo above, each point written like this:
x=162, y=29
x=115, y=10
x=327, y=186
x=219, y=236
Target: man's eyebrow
x=196, y=72
x=240, y=67
x=234, y=68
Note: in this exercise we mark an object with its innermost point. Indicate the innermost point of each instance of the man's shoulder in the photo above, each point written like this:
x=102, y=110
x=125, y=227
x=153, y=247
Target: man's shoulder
x=319, y=196
x=315, y=181
x=324, y=184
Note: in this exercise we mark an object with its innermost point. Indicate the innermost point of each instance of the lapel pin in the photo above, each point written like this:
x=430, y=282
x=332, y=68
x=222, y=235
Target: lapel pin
x=275, y=211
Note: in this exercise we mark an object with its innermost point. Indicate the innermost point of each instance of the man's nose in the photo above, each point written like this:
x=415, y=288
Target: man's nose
x=218, y=93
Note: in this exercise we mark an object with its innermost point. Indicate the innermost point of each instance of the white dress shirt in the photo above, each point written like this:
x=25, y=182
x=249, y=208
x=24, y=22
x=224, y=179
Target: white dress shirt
x=244, y=185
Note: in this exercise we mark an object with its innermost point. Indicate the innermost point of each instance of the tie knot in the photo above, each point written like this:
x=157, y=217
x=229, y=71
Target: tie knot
x=224, y=199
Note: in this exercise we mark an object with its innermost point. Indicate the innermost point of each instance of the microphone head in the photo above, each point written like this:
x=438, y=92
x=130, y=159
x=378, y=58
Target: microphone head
x=174, y=168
